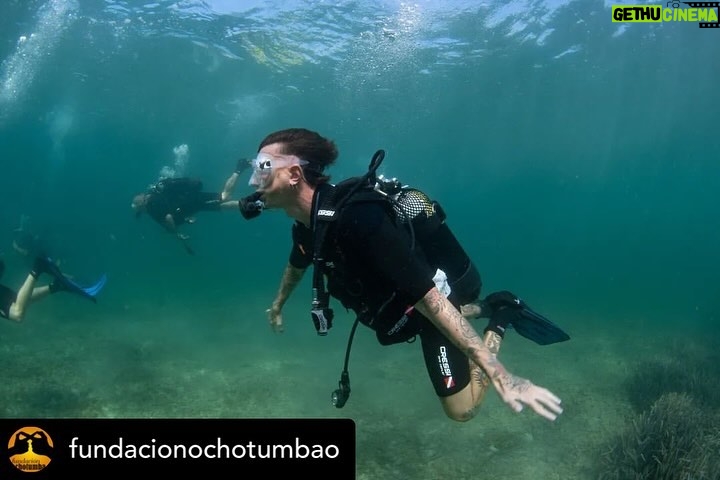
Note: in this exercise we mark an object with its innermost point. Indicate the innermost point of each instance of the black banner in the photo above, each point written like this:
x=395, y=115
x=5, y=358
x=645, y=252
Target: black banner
x=245, y=448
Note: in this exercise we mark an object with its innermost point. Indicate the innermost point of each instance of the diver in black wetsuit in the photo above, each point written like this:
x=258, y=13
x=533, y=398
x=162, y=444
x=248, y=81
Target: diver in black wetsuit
x=29, y=241
x=174, y=201
x=372, y=266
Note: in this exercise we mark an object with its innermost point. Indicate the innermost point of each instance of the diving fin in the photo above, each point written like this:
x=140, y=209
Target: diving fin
x=530, y=325
x=93, y=290
x=63, y=283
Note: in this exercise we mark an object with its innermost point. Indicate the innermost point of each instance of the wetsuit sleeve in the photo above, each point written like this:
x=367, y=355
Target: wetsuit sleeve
x=368, y=231
x=301, y=253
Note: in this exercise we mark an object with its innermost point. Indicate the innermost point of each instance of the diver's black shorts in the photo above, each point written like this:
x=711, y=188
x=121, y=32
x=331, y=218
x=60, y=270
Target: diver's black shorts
x=7, y=298
x=447, y=366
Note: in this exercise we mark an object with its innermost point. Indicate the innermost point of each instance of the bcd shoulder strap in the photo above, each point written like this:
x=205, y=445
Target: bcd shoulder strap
x=347, y=192
x=330, y=202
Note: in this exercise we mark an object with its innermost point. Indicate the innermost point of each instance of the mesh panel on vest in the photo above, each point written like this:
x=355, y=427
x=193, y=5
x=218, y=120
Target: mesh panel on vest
x=412, y=203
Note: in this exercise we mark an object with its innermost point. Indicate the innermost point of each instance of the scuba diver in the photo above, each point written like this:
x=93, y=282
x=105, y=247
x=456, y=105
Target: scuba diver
x=29, y=241
x=388, y=255
x=13, y=305
x=25, y=241
x=172, y=202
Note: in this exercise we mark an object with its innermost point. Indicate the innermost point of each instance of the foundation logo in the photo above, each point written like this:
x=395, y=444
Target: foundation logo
x=705, y=13
x=30, y=448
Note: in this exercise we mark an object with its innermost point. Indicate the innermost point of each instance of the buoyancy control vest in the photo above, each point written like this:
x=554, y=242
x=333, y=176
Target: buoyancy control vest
x=431, y=240
x=429, y=236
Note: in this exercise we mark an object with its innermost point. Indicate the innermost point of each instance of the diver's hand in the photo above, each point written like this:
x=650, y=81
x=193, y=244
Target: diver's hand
x=517, y=392
x=274, y=314
x=471, y=311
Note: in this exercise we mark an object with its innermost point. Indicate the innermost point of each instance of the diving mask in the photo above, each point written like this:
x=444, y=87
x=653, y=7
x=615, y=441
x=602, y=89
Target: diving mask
x=264, y=163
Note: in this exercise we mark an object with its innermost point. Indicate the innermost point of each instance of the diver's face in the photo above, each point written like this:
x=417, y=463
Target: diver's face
x=271, y=175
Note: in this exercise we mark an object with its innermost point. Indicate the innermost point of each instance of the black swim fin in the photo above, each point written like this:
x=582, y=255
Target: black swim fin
x=530, y=324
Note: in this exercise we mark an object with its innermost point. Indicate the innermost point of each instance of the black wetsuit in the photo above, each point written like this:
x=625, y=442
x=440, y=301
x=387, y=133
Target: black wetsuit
x=7, y=298
x=372, y=270
x=181, y=198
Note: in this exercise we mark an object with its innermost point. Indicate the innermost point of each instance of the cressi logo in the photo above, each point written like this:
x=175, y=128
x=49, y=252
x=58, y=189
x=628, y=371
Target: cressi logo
x=30, y=449
x=326, y=213
x=704, y=13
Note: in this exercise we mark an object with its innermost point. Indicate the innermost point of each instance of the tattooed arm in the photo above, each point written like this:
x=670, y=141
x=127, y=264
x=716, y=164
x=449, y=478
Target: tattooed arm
x=514, y=391
x=291, y=277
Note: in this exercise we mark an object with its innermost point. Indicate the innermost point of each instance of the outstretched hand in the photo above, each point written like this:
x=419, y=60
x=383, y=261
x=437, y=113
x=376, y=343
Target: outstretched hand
x=275, y=318
x=517, y=392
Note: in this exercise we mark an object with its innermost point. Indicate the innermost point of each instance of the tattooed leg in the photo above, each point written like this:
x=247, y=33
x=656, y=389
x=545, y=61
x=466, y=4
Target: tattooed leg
x=464, y=405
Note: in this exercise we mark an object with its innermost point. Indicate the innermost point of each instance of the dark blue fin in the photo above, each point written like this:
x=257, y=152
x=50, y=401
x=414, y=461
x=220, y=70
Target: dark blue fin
x=62, y=282
x=65, y=284
x=95, y=289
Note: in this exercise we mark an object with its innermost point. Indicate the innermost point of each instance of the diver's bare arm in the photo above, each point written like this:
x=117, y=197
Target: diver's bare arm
x=169, y=224
x=291, y=277
x=514, y=391
x=229, y=187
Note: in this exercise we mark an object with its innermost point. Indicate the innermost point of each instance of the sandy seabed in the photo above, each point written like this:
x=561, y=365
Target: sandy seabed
x=73, y=359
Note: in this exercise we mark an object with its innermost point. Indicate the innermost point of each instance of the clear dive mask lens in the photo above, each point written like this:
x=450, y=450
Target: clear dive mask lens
x=261, y=169
x=264, y=163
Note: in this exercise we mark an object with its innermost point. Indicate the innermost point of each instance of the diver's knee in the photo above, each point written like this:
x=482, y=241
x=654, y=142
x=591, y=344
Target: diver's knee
x=16, y=313
x=460, y=415
x=459, y=407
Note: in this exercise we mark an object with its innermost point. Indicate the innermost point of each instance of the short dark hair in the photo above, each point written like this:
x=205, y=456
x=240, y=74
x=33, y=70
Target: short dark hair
x=310, y=146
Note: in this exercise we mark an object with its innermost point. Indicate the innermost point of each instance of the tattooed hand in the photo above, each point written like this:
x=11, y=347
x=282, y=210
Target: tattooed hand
x=517, y=392
x=275, y=318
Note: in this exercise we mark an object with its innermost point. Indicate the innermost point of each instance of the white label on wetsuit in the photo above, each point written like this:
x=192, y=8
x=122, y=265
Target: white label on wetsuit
x=444, y=365
x=400, y=323
x=441, y=282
